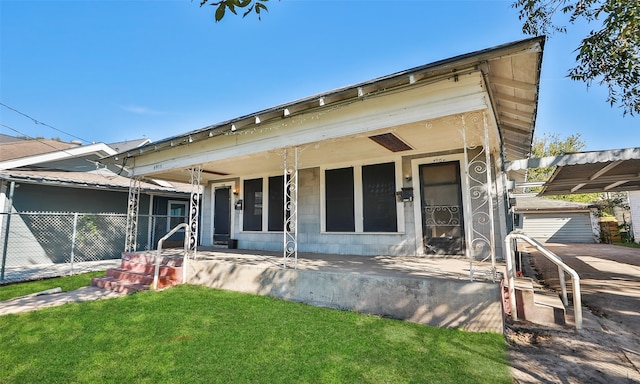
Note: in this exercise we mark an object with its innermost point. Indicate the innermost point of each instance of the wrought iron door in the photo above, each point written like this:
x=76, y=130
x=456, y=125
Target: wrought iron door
x=442, y=216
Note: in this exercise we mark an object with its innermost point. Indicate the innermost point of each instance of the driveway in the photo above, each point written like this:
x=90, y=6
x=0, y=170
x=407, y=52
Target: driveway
x=607, y=350
x=609, y=279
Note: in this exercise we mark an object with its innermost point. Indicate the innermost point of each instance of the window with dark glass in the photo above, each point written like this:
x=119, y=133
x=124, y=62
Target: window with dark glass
x=252, y=214
x=276, y=203
x=379, y=198
x=339, y=200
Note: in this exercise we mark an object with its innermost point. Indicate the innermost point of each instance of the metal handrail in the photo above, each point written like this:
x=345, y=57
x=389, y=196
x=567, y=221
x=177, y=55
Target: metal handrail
x=562, y=267
x=159, y=251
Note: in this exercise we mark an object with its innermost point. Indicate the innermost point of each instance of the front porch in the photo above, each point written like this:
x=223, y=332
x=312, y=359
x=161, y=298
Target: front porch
x=438, y=291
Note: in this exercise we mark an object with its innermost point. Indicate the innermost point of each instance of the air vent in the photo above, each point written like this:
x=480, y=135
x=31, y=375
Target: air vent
x=391, y=142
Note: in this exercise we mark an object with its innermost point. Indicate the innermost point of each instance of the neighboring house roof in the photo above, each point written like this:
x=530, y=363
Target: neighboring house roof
x=26, y=148
x=613, y=170
x=66, y=151
x=9, y=139
x=123, y=146
x=511, y=75
x=93, y=180
x=532, y=204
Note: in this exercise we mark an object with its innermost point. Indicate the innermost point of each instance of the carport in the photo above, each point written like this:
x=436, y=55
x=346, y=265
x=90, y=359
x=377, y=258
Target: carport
x=615, y=170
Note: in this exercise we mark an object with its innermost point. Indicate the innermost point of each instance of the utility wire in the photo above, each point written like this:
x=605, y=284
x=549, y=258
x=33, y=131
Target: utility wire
x=41, y=123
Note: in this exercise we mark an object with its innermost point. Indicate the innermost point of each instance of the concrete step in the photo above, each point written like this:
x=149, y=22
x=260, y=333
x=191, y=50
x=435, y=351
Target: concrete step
x=536, y=305
x=118, y=286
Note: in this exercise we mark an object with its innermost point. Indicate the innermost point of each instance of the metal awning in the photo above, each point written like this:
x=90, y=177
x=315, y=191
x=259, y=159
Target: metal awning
x=614, y=170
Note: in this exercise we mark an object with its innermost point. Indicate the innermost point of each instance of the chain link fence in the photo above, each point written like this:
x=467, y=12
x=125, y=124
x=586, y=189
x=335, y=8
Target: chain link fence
x=36, y=245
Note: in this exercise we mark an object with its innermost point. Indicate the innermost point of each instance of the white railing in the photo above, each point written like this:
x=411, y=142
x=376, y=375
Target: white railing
x=562, y=267
x=159, y=252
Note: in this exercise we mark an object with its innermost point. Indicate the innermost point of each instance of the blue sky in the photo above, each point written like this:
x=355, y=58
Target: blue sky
x=113, y=70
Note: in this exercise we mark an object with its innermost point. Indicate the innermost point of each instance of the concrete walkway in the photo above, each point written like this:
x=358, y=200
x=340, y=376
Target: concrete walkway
x=33, y=302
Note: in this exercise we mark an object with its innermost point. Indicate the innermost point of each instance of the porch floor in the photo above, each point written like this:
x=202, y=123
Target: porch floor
x=451, y=267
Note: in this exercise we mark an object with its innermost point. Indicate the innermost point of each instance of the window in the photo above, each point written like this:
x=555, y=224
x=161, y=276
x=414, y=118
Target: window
x=177, y=212
x=379, y=198
x=339, y=200
x=252, y=213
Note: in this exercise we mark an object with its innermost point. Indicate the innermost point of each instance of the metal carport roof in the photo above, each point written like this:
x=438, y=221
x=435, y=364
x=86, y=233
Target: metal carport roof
x=614, y=170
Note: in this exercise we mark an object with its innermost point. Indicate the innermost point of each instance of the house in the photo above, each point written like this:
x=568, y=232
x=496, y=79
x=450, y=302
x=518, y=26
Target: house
x=54, y=193
x=407, y=164
x=556, y=221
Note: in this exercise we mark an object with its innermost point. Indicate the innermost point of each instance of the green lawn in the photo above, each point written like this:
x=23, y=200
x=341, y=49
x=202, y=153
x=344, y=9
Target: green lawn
x=191, y=334
x=67, y=283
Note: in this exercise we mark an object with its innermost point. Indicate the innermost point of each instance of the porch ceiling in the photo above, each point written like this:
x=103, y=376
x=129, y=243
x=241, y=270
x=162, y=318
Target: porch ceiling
x=438, y=135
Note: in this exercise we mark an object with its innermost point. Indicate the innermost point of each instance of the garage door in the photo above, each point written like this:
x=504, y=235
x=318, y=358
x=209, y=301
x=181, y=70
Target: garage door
x=558, y=227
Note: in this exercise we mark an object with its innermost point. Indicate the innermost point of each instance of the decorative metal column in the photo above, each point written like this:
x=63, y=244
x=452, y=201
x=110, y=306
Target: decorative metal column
x=467, y=199
x=490, y=190
x=291, y=207
x=481, y=228
x=194, y=209
x=131, y=237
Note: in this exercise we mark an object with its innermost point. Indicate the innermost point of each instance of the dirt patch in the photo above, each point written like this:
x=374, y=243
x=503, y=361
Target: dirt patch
x=548, y=355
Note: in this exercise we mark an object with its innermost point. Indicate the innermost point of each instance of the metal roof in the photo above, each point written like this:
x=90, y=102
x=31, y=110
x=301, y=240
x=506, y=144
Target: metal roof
x=615, y=170
x=511, y=73
x=102, y=179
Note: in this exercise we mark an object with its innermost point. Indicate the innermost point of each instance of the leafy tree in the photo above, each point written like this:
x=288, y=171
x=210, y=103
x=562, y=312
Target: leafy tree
x=247, y=6
x=609, y=55
x=552, y=145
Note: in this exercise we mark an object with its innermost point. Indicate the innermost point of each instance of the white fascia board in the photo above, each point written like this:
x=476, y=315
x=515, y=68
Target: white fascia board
x=428, y=102
x=101, y=149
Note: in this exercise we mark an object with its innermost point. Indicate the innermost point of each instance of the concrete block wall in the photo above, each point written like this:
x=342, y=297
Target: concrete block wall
x=311, y=240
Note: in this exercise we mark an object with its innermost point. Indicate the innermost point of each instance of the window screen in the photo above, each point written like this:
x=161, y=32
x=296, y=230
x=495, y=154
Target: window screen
x=339, y=200
x=276, y=203
x=379, y=198
x=252, y=214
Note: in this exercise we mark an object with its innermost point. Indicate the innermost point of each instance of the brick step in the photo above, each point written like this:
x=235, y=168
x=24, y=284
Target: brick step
x=164, y=270
x=118, y=286
x=139, y=278
x=150, y=258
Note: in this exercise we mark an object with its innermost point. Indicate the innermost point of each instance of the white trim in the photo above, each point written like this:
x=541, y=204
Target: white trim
x=169, y=216
x=100, y=149
x=417, y=205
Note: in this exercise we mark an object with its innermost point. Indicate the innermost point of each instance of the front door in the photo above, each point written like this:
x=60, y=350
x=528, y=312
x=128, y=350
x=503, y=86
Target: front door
x=222, y=215
x=441, y=199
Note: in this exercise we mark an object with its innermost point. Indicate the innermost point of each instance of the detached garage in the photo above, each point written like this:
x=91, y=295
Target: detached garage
x=556, y=221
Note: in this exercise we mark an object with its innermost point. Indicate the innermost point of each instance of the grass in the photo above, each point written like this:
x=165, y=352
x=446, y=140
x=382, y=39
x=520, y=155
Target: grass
x=67, y=283
x=192, y=334
x=630, y=245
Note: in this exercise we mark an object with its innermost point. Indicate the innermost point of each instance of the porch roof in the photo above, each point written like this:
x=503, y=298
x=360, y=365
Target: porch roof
x=510, y=76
